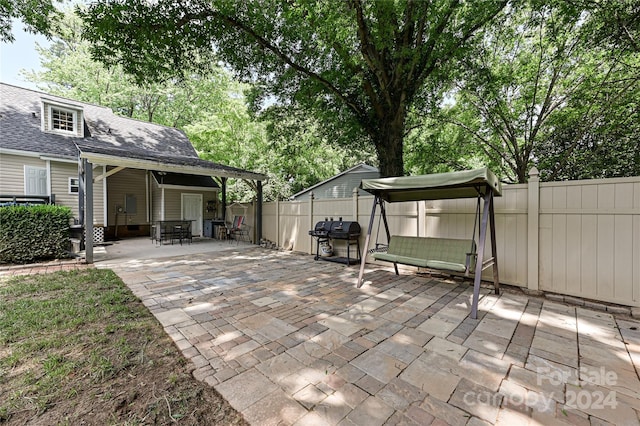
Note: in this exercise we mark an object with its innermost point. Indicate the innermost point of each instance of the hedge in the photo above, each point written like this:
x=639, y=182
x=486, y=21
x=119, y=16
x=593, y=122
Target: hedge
x=30, y=233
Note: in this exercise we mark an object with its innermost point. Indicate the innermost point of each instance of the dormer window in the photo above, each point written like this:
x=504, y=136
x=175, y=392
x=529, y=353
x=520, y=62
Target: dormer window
x=62, y=118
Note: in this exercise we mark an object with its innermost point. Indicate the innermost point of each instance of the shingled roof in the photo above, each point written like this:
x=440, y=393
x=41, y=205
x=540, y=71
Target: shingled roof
x=112, y=138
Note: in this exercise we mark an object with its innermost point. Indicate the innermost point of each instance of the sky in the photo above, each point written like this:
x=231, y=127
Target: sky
x=21, y=54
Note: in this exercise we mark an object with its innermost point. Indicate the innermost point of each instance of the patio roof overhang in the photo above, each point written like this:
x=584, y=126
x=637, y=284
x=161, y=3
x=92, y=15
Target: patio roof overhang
x=185, y=165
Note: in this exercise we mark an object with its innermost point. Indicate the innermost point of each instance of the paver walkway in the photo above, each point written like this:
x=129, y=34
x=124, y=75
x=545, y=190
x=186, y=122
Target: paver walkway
x=287, y=340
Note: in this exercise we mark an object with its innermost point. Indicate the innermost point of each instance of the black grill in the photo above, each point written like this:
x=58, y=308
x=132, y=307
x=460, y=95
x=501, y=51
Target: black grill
x=337, y=230
x=340, y=230
x=321, y=230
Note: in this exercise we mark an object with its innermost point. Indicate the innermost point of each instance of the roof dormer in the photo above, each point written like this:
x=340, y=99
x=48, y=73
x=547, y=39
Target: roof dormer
x=62, y=118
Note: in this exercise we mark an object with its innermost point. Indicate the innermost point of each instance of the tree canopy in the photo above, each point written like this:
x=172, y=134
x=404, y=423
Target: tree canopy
x=540, y=89
x=38, y=16
x=209, y=107
x=421, y=86
x=365, y=62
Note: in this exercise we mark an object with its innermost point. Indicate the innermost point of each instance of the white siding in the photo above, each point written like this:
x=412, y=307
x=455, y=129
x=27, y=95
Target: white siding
x=12, y=172
x=127, y=181
x=12, y=182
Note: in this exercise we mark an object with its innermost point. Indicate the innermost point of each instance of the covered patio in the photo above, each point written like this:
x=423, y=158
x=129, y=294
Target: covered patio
x=287, y=340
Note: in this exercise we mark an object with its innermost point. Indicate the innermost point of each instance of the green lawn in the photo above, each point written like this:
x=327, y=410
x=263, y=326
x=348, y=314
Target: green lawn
x=80, y=347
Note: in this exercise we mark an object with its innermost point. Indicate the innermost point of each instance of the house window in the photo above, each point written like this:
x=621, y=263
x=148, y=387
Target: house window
x=62, y=120
x=74, y=185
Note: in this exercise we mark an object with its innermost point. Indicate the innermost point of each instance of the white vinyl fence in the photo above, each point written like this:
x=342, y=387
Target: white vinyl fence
x=578, y=238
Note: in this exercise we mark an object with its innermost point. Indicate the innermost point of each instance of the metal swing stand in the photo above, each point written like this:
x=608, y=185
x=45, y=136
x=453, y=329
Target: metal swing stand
x=481, y=264
x=484, y=191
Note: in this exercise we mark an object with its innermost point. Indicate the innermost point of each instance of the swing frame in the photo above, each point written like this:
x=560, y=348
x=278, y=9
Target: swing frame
x=478, y=183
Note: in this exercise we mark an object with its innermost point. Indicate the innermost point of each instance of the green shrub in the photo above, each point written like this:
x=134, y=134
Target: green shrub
x=33, y=233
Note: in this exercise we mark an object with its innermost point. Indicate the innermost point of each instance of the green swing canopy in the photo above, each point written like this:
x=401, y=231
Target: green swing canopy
x=438, y=186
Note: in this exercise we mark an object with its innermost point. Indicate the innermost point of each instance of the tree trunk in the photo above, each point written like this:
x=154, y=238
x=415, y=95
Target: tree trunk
x=387, y=134
x=389, y=145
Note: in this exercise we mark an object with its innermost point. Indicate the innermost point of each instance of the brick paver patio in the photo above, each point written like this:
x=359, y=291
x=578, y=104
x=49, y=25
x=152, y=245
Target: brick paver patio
x=287, y=340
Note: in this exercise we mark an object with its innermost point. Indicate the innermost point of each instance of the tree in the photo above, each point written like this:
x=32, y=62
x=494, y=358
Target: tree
x=363, y=63
x=210, y=108
x=597, y=135
x=68, y=70
x=535, y=81
x=615, y=23
x=39, y=16
x=438, y=146
x=305, y=153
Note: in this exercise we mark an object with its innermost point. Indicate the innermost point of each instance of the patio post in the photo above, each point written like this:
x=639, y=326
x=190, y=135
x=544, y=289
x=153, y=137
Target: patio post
x=88, y=191
x=259, y=214
x=81, y=184
x=224, y=199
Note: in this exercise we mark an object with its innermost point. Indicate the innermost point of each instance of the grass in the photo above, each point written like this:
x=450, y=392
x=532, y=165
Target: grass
x=78, y=347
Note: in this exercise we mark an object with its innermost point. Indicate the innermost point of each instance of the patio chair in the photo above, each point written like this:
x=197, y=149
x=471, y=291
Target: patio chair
x=237, y=229
x=184, y=232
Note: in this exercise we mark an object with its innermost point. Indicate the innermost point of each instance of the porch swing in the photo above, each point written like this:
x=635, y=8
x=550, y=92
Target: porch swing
x=453, y=255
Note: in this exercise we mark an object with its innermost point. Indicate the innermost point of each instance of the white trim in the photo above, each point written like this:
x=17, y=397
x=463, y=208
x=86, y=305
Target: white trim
x=55, y=102
x=107, y=174
x=43, y=157
x=58, y=160
x=48, y=167
x=17, y=152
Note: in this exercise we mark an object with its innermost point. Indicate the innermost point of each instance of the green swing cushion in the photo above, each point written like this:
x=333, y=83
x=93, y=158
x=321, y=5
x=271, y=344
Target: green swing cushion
x=437, y=253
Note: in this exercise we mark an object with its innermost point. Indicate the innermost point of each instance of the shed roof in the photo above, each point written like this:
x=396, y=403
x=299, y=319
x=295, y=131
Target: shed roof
x=359, y=168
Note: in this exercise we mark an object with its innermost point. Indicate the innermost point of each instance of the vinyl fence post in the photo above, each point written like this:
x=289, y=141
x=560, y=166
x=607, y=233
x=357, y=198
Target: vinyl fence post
x=355, y=203
x=533, y=230
x=277, y=222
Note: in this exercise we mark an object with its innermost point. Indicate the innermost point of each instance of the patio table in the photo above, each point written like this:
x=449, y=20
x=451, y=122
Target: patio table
x=171, y=230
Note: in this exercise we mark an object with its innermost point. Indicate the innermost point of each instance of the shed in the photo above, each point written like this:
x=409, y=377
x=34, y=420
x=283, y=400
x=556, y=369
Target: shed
x=340, y=185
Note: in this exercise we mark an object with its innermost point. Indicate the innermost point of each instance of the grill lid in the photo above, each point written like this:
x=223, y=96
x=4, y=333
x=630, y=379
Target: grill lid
x=345, y=227
x=335, y=229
